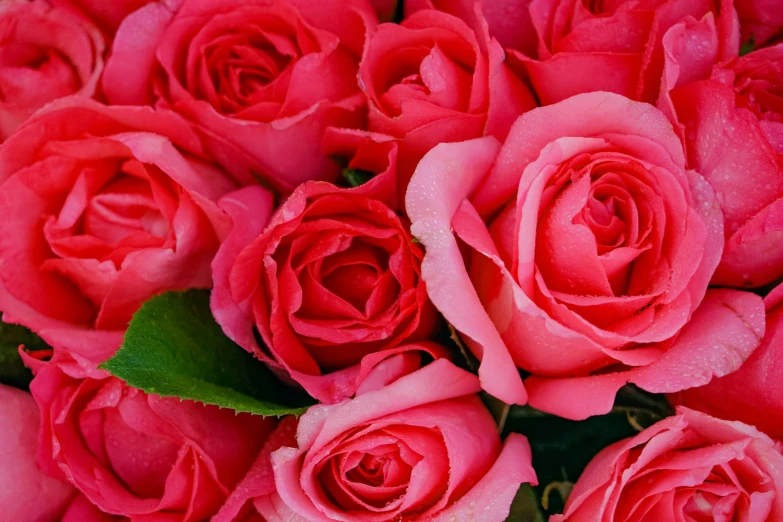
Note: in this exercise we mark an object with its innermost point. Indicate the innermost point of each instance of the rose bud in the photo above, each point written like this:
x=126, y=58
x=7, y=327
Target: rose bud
x=140, y=455
x=687, y=467
x=104, y=207
x=45, y=54
x=26, y=493
x=259, y=79
x=585, y=252
x=325, y=292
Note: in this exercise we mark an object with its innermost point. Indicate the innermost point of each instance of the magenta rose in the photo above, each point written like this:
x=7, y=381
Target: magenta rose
x=409, y=450
x=26, y=493
x=104, y=207
x=687, y=467
x=45, y=54
x=754, y=393
x=332, y=286
x=732, y=125
x=609, y=46
x=260, y=80
x=432, y=79
x=137, y=455
x=585, y=249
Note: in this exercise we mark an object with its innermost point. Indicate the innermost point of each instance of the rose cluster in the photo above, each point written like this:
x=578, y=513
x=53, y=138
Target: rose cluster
x=410, y=212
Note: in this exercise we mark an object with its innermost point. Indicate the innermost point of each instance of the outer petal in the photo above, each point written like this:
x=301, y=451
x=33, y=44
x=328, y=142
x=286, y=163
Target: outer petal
x=721, y=335
x=443, y=180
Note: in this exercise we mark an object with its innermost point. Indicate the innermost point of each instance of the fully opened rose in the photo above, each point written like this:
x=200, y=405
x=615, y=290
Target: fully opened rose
x=391, y=260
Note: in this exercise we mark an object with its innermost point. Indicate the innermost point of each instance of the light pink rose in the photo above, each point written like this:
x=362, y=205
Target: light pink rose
x=688, y=467
x=423, y=447
x=585, y=251
x=26, y=493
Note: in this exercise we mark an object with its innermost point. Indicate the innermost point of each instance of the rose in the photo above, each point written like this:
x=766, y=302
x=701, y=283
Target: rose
x=733, y=131
x=45, y=54
x=332, y=286
x=762, y=20
x=135, y=454
x=423, y=447
x=431, y=79
x=82, y=510
x=753, y=393
x=259, y=79
x=26, y=493
x=687, y=467
x=106, y=15
x=606, y=46
x=104, y=207
x=586, y=247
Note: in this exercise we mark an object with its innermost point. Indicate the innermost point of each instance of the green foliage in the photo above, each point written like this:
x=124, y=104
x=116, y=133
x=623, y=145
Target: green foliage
x=356, y=177
x=12, y=370
x=174, y=348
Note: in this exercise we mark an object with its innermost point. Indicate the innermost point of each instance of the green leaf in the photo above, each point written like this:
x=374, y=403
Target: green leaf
x=747, y=47
x=174, y=348
x=12, y=370
x=356, y=177
x=525, y=506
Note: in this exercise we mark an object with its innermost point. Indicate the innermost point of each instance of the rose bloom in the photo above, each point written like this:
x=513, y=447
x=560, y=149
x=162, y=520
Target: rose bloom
x=610, y=46
x=409, y=450
x=733, y=131
x=762, y=20
x=140, y=455
x=754, y=393
x=81, y=509
x=259, y=79
x=585, y=247
x=331, y=286
x=26, y=493
x=103, y=208
x=106, y=15
x=45, y=54
x=687, y=467
x=432, y=79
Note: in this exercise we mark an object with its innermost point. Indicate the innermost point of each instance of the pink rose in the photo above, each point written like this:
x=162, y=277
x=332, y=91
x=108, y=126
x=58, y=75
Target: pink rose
x=107, y=15
x=423, y=447
x=140, y=455
x=687, y=467
x=754, y=393
x=331, y=285
x=585, y=248
x=733, y=131
x=260, y=79
x=432, y=79
x=45, y=54
x=606, y=46
x=82, y=510
x=26, y=493
x=104, y=207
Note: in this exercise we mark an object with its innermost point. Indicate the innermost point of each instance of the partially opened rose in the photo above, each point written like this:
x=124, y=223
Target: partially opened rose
x=259, y=79
x=687, y=467
x=585, y=246
x=608, y=46
x=45, y=54
x=733, y=132
x=137, y=455
x=332, y=286
x=422, y=448
x=103, y=208
x=432, y=79
x=754, y=393
x=26, y=493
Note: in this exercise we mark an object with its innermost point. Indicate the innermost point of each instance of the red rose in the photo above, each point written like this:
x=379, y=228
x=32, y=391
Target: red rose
x=754, y=393
x=586, y=247
x=424, y=447
x=332, y=285
x=687, y=467
x=141, y=455
x=432, y=79
x=259, y=79
x=82, y=510
x=762, y=20
x=606, y=46
x=45, y=54
x=733, y=131
x=26, y=493
x=104, y=207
